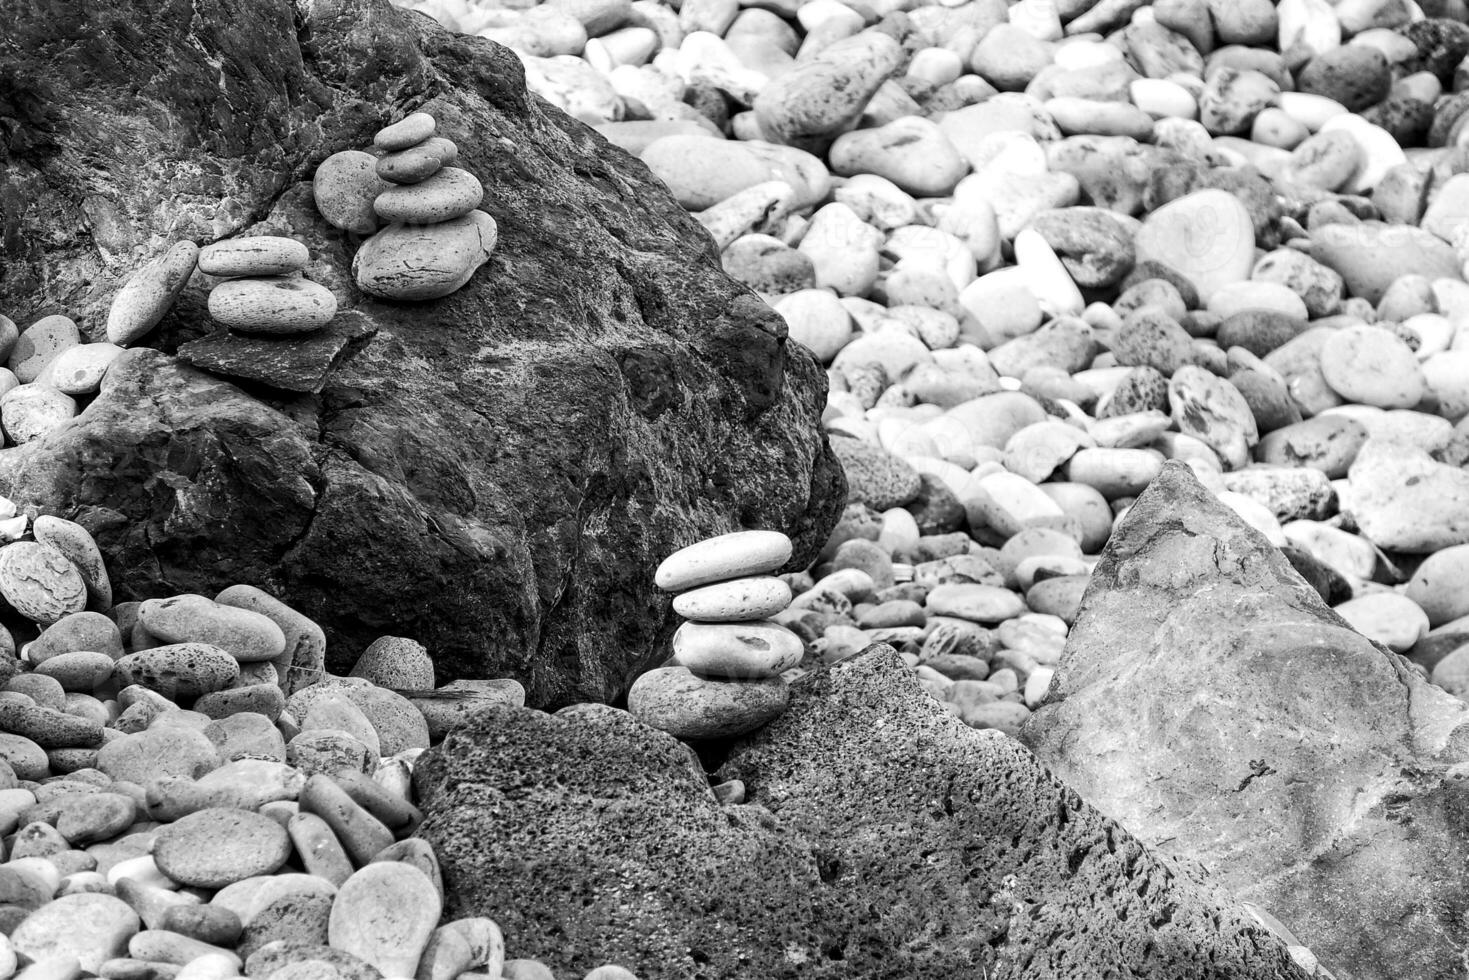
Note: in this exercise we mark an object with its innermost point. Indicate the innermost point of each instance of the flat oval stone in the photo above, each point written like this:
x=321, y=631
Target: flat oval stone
x=89, y=928
x=408, y=131
x=726, y=556
x=217, y=847
x=428, y=262
x=384, y=915
x=417, y=163
x=33, y=411
x=150, y=293
x=179, y=670
x=48, y=727
x=83, y=631
x=157, y=752
x=687, y=706
x=301, y=664
x=735, y=601
x=450, y=193
x=736, y=651
x=247, y=636
x=84, y=670
x=1391, y=619
x=40, y=582
x=974, y=602
x=79, y=370
x=39, y=344
x=1370, y=365
x=344, y=188
x=254, y=255
x=272, y=305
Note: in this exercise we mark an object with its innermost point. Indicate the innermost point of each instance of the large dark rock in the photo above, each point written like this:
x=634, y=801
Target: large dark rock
x=883, y=839
x=495, y=474
x=1213, y=705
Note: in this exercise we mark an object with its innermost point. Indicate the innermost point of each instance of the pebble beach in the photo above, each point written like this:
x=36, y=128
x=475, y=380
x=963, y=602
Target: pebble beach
x=1041, y=249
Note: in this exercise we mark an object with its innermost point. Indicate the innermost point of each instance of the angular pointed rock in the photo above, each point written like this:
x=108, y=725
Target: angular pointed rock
x=883, y=839
x=1210, y=703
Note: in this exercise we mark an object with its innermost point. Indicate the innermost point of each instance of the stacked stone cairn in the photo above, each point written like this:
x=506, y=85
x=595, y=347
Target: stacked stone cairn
x=435, y=237
x=185, y=793
x=725, y=676
x=263, y=290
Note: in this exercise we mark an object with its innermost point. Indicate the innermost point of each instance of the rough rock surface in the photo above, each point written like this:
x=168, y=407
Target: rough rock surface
x=495, y=474
x=883, y=839
x=1210, y=703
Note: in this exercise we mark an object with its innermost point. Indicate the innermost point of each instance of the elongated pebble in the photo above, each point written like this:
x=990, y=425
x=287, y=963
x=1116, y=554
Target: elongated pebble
x=149, y=294
x=408, y=131
x=80, y=548
x=255, y=255
x=272, y=305
x=735, y=555
x=735, y=601
x=736, y=651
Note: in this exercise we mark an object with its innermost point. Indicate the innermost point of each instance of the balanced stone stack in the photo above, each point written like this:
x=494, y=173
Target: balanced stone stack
x=724, y=678
x=435, y=239
x=264, y=291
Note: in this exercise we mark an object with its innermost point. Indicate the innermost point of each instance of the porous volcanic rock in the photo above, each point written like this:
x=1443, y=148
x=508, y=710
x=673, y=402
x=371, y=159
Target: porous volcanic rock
x=882, y=839
x=495, y=474
x=1213, y=705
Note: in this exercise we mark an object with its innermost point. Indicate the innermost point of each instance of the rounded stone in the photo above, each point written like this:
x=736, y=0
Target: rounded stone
x=1370, y=365
x=82, y=670
x=974, y=602
x=411, y=130
x=875, y=477
x=83, y=631
x=39, y=344
x=759, y=597
x=272, y=305
x=155, y=752
x=247, y=636
x=33, y=411
x=344, y=188
x=150, y=293
x=216, y=847
x=302, y=662
x=89, y=928
x=1389, y=618
x=1207, y=237
x=180, y=671
x=40, y=582
x=687, y=706
x=736, y=651
x=427, y=262
x=1438, y=586
x=384, y=915
x=726, y=556
x=396, y=662
x=417, y=163
x=255, y=255
x=1326, y=442
x=450, y=193
x=80, y=548
x=79, y=370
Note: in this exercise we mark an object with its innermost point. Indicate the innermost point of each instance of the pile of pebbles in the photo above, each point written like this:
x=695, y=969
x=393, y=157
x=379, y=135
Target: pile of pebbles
x=184, y=792
x=435, y=236
x=726, y=675
x=1042, y=248
x=49, y=375
x=262, y=289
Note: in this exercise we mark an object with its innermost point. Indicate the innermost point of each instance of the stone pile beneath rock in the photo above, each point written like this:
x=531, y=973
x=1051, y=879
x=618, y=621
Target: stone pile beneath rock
x=185, y=793
x=725, y=677
x=435, y=237
x=49, y=373
x=264, y=291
